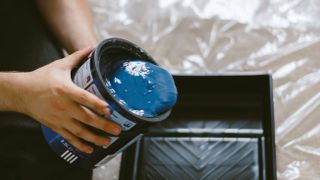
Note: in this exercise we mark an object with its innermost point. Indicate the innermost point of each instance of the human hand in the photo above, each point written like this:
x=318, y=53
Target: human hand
x=50, y=97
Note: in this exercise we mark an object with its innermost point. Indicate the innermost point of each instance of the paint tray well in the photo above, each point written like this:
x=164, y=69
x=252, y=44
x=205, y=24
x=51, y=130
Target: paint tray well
x=221, y=128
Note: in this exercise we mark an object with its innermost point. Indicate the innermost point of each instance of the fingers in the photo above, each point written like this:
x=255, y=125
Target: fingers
x=79, y=130
x=87, y=99
x=88, y=117
x=75, y=141
x=78, y=56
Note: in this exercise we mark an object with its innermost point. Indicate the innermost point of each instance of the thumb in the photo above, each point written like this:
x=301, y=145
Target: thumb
x=77, y=57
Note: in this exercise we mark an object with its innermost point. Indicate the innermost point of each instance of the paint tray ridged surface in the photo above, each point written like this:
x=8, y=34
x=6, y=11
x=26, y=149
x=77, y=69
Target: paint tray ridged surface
x=221, y=128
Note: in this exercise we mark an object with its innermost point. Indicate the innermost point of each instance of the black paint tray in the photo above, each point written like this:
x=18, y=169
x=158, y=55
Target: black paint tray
x=221, y=128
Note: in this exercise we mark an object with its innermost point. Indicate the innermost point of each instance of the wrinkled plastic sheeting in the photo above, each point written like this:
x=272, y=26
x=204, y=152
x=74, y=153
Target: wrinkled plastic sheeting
x=219, y=36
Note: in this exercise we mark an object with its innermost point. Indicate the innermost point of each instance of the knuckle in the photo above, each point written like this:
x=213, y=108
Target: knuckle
x=106, y=127
x=99, y=139
x=88, y=120
x=94, y=138
x=97, y=105
x=60, y=89
x=58, y=105
x=86, y=117
x=79, y=132
x=83, y=97
x=101, y=119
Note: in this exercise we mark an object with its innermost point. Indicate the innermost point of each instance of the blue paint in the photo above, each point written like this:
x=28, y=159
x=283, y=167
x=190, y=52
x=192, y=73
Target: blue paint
x=143, y=88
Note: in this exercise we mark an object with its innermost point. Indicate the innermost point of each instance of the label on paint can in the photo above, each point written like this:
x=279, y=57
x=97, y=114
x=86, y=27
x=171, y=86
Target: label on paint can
x=83, y=79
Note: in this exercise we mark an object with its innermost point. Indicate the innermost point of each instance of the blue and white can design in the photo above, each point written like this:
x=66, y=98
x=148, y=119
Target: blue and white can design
x=73, y=156
x=89, y=76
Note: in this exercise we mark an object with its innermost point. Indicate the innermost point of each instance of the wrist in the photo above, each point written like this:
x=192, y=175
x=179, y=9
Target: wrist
x=20, y=91
x=13, y=91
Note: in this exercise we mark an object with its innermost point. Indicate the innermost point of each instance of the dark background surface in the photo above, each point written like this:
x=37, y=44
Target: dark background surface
x=25, y=45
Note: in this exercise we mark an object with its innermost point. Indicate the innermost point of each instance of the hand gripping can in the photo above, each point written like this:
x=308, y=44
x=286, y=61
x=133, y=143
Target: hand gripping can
x=91, y=75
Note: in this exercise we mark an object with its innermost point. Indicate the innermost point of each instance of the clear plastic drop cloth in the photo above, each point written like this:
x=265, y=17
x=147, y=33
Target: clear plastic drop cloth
x=227, y=36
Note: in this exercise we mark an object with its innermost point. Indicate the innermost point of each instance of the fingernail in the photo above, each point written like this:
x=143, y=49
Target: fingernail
x=106, y=142
x=89, y=150
x=116, y=130
x=107, y=110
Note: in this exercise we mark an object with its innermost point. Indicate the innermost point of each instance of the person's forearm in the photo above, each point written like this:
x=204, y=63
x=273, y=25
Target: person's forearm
x=11, y=85
x=71, y=22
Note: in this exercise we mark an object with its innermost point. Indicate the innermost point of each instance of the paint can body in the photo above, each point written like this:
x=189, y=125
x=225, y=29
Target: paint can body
x=90, y=75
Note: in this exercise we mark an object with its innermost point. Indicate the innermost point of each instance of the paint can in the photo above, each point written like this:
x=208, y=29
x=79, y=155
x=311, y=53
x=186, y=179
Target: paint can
x=91, y=75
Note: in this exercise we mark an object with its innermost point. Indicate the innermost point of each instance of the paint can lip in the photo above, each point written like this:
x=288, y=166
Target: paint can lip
x=131, y=48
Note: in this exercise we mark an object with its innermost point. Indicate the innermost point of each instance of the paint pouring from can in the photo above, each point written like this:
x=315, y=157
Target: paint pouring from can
x=97, y=75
